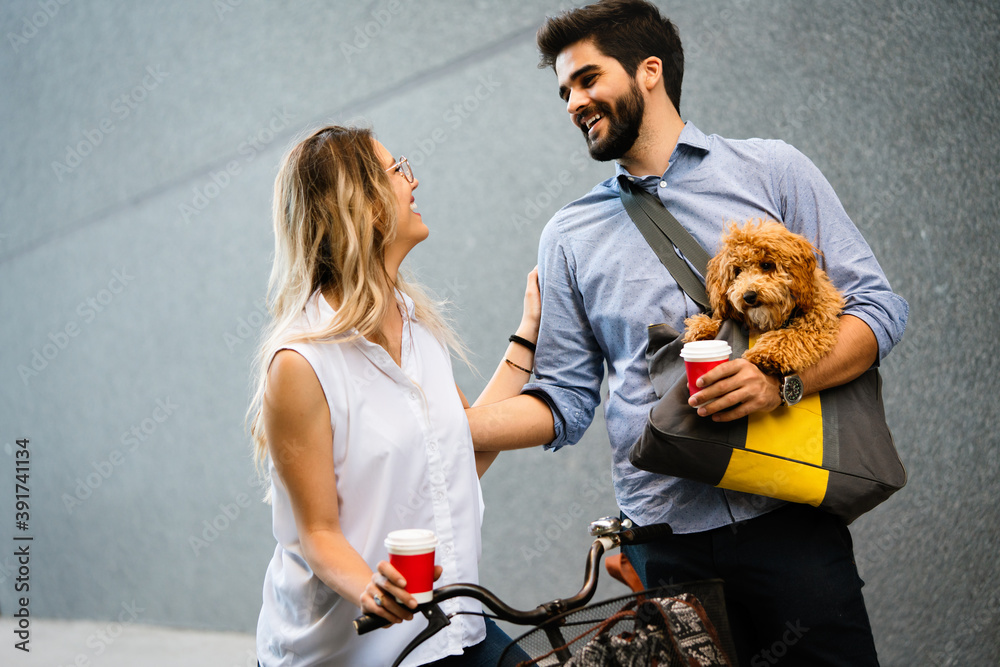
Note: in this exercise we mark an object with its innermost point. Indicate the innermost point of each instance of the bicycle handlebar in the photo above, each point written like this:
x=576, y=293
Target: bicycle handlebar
x=368, y=622
x=365, y=623
x=643, y=534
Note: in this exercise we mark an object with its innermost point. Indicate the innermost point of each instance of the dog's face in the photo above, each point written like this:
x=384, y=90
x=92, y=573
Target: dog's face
x=761, y=275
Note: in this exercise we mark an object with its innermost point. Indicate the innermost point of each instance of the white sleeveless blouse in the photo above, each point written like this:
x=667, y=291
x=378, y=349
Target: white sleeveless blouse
x=403, y=458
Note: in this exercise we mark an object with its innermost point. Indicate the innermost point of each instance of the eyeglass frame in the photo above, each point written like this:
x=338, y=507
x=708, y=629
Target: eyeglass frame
x=403, y=166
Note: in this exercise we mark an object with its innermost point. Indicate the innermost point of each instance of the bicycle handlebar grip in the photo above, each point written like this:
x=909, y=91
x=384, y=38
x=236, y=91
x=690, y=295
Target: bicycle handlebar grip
x=367, y=622
x=642, y=534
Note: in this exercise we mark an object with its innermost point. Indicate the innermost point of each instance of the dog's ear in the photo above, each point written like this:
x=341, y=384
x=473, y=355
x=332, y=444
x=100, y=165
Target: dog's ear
x=721, y=274
x=802, y=267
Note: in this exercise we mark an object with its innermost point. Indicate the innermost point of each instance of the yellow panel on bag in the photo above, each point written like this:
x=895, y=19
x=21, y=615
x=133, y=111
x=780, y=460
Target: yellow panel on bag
x=794, y=432
x=765, y=475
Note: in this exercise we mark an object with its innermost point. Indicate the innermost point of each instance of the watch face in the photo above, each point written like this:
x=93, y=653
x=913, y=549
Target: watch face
x=792, y=389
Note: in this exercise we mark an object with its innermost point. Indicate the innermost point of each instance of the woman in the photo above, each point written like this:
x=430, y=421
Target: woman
x=358, y=418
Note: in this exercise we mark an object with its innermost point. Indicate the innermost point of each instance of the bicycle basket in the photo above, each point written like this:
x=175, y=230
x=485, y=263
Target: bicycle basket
x=684, y=624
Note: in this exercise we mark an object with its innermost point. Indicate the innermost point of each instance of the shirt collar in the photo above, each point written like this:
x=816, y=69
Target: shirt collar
x=322, y=311
x=408, y=304
x=690, y=137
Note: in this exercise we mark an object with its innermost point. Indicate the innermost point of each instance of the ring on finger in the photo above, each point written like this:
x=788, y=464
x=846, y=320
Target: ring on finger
x=378, y=600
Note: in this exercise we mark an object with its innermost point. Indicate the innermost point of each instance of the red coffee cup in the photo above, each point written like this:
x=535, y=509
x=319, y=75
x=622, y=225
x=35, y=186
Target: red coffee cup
x=702, y=356
x=411, y=552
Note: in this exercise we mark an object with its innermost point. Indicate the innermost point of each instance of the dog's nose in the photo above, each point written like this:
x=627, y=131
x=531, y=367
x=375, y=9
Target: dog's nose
x=750, y=298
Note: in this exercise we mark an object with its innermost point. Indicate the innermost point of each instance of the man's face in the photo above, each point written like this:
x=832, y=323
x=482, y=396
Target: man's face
x=603, y=100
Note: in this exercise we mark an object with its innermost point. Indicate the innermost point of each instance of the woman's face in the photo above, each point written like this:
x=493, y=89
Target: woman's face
x=411, y=229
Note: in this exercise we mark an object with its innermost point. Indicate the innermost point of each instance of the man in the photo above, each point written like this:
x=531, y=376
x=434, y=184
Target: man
x=788, y=569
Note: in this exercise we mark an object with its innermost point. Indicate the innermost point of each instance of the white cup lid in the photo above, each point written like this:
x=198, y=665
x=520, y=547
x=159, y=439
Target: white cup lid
x=411, y=540
x=706, y=350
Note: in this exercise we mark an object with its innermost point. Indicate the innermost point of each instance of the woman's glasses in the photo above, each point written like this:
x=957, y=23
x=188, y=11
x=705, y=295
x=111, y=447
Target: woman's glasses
x=403, y=167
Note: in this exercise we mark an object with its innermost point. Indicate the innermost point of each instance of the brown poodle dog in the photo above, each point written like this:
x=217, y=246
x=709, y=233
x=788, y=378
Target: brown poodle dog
x=766, y=277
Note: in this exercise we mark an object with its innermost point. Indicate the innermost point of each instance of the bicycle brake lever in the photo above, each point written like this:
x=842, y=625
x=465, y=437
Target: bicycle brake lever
x=436, y=620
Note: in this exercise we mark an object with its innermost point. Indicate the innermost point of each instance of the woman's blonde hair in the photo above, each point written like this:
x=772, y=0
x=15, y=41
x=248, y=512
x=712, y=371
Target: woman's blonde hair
x=334, y=216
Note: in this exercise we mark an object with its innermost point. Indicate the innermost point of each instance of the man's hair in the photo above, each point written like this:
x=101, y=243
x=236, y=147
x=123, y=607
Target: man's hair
x=627, y=30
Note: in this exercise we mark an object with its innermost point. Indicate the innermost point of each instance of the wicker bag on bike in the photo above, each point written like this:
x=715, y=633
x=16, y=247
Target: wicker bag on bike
x=682, y=625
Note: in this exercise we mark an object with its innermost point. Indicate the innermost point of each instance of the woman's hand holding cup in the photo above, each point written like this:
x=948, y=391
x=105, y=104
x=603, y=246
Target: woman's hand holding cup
x=390, y=588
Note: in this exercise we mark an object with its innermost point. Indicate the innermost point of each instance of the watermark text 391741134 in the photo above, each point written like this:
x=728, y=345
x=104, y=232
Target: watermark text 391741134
x=22, y=544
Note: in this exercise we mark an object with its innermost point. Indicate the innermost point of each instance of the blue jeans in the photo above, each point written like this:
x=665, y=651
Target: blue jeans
x=792, y=588
x=484, y=654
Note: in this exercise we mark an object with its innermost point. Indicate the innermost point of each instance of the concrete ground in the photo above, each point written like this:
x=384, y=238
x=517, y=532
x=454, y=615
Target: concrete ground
x=100, y=644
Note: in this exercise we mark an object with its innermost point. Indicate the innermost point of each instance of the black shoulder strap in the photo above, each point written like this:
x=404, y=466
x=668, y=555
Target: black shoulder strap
x=662, y=232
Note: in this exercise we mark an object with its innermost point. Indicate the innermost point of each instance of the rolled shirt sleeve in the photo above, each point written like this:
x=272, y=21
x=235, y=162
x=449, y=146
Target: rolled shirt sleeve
x=569, y=360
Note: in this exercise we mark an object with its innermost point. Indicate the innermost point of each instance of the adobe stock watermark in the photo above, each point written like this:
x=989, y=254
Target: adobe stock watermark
x=453, y=290
x=416, y=498
x=121, y=108
x=897, y=16
x=100, y=641
x=454, y=116
x=87, y=311
x=223, y=7
x=246, y=328
x=259, y=483
x=571, y=519
x=367, y=32
x=8, y=568
x=910, y=348
x=794, y=118
x=32, y=24
x=537, y=205
x=212, y=528
x=779, y=649
x=713, y=29
x=884, y=548
x=973, y=625
x=203, y=193
x=885, y=202
x=101, y=471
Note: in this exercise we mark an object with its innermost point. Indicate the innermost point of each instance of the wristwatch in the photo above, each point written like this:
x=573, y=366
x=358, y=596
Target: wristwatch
x=790, y=390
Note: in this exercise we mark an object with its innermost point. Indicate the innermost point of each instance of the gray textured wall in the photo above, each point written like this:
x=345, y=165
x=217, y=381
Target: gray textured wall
x=140, y=144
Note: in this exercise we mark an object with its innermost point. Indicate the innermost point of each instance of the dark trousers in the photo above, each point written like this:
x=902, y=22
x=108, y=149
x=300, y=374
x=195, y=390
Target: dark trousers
x=485, y=653
x=792, y=588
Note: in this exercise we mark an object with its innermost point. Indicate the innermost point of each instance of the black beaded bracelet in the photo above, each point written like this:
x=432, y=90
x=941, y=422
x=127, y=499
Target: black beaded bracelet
x=514, y=338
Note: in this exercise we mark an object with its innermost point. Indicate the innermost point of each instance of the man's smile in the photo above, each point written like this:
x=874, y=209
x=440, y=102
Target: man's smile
x=587, y=123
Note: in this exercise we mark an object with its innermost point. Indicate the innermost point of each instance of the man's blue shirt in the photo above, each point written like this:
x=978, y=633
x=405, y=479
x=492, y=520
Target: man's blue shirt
x=602, y=285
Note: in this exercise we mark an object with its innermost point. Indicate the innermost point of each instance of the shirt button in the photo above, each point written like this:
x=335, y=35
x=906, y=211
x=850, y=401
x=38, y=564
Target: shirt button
x=433, y=446
x=413, y=395
x=663, y=184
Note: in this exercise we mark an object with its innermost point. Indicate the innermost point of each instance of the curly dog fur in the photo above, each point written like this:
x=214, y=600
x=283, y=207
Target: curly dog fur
x=767, y=278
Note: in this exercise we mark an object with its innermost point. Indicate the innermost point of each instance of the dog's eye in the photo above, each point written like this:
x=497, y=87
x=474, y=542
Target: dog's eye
x=767, y=266
x=737, y=271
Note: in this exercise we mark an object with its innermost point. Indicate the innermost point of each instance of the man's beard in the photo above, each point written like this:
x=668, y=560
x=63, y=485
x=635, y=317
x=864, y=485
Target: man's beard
x=623, y=126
